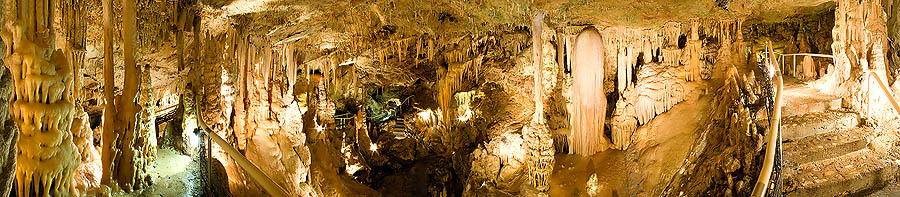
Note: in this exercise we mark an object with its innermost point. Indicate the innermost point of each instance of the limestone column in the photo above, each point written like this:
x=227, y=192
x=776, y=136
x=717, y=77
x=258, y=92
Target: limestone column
x=695, y=49
x=109, y=134
x=42, y=105
x=537, y=135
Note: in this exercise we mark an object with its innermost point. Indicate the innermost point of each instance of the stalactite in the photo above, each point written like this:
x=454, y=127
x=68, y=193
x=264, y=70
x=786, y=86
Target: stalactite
x=622, y=71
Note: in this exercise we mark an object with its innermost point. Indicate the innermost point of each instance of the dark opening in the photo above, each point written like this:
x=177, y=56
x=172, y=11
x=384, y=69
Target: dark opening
x=637, y=66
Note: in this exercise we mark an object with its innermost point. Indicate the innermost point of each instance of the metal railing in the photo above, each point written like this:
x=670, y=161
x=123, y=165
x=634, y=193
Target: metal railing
x=774, y=131
x=255, y=174
x=781, y=58
x=884, y=89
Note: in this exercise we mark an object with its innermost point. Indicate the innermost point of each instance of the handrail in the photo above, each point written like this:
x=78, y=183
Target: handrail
x=794, y=61
x=255, y=174
x=887, y=91
x=807, y=54
x=774, y=133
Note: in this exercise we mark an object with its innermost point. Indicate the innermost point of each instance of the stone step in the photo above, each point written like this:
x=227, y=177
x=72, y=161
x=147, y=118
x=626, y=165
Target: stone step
x=796, y=127
x=824, y=146
x=812, y=106
x=853, y=173
x=800, y=98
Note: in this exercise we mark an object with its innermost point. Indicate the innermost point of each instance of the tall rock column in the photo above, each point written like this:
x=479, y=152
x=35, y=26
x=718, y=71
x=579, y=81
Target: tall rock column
x=695, y=49
x=537, y=135
x=42, y=105
x=109, y=135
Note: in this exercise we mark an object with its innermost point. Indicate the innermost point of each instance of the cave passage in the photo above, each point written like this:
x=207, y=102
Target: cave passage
x=449, y=98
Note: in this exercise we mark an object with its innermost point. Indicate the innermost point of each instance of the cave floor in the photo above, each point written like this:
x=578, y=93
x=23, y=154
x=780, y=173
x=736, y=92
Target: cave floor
x=662, y=148
x=173, y=174
x=800, y=98
x=649, y=162
x=892, y=189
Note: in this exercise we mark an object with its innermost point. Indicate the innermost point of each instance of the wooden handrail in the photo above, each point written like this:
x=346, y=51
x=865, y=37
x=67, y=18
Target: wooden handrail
x=255, y=174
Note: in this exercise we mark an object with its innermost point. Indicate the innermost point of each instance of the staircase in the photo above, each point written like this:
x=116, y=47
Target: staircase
x=826, y=149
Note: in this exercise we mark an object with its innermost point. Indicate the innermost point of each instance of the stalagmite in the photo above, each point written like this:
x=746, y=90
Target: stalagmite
x=695, y=51
x=109, y=135
x=809, y=68
x=589, y=115
x=536, y=134
x=42, y=105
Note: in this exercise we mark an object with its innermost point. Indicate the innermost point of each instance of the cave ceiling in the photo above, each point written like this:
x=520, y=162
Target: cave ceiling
x=324, y=26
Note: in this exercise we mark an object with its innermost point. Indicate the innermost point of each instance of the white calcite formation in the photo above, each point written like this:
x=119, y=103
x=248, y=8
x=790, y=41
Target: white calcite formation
x=660, y=87
x=589, y=112
x=42, y=107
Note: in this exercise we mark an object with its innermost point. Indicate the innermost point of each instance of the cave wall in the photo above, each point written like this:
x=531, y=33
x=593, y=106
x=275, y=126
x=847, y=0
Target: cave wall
x=9, y=136
x=892, y=9
x=860, y=46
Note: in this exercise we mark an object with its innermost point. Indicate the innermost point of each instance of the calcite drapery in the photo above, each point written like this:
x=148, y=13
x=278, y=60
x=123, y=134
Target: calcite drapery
x=589, y=113
x=660, y=87
x=43, y=104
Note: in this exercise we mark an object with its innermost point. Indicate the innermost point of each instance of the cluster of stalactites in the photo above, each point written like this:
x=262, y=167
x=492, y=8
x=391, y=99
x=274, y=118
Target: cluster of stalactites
x=659, y=88
x=722, y=29
x=450, y=81
x=72, y=23
x=625, y=45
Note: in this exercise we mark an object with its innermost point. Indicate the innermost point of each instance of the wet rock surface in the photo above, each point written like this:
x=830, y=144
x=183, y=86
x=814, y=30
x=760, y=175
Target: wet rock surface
x=9, y=136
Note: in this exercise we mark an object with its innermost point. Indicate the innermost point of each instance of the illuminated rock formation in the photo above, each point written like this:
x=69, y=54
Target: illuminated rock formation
x=43, y=104
x=659, y=88
x=695, y=51
x=589, y=113
x=860, y=37
x=809, y=68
